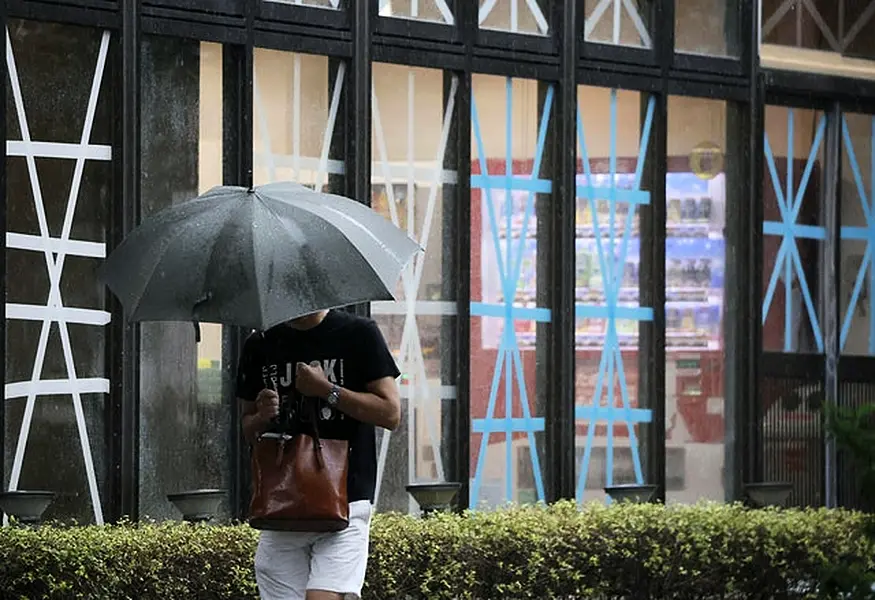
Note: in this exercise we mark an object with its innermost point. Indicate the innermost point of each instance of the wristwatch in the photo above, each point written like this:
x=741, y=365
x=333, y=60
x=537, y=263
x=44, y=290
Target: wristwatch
x=333, y=396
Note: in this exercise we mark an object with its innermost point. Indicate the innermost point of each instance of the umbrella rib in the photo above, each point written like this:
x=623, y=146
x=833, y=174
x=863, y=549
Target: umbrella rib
x=172, y=239
x=146, y=280
x=348, y=218
x=354, y=246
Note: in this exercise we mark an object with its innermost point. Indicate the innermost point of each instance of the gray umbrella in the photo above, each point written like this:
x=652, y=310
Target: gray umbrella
x=255, y=258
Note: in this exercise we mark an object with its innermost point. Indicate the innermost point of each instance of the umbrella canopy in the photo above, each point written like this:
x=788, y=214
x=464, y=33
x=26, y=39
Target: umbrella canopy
x=256, y=257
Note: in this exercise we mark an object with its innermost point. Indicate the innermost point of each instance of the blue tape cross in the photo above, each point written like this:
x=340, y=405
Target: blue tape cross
x=866, y=234
x=787, y=259
x=612, y=276
x=509, y=258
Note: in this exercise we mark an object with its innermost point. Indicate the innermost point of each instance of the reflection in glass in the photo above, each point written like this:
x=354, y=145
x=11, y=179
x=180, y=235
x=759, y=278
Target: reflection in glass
x=411, y=126
x=508, y=303
x=619, y=22
x=792, y=230
x=332, y=4
x=438, y=11
x=707, y=27
x=696, y=189
x=184, y=422
x=857, y=272
x=297, y=100
x=613, y=137
x=832, y=25
x=515, y=16
x=58, y=97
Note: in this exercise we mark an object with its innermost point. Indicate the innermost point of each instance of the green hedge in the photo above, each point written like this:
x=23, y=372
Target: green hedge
x=631, y=551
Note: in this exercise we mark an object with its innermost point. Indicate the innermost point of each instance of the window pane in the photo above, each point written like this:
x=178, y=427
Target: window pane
x=696, y=190
x=515, y=16
x=707, y=26
x=620, y=22
x=331, y=4
x=297, y=98
x=509, y=307
x=184, y=422
x=439, y=11
x=59, y=92
x=792, y=228
x=411, y=124
x=835, y=25
x=613, y=136
x=857, y=240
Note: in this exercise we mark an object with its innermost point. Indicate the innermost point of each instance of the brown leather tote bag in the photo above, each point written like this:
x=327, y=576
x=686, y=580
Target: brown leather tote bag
x=299, y=482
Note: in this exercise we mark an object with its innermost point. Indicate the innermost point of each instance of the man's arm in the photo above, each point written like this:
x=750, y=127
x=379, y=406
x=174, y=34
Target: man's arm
x=257, y=415
x=380, y=405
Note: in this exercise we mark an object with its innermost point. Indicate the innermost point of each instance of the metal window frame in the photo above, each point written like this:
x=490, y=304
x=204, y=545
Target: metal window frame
x=357, y=34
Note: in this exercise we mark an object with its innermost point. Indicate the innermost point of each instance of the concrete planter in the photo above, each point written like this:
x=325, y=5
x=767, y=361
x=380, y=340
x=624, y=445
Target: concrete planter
x=638, y=494
x=26, y=506
x=197, y=505
x=769, y=493
x=434, y=497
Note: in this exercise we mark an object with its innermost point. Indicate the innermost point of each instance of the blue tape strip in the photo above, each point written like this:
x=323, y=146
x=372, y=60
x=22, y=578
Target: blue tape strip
x=611, y=264
x=501, y=425
x=620, y=313
x=529, y=425
x=794, y=230
x=866, y=234
x=518, y=313
x=626, y=415
x=487, y=195
x=511, y=182
x=773, y=280
x=855, y=169
x=789, y=205
x=855, y=295
x=510, y=258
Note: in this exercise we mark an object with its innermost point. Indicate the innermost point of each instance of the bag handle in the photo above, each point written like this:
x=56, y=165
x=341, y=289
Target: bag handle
x=317, y=440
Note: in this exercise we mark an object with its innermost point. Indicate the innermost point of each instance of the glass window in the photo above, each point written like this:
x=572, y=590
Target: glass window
x=438, y=11
x=613, y=135
x=59, y=191
x=833, y=25
x=620, y=22
x=297, y=99
x=707, y=26
x=184, y=419
x=411, y=186
x=793, y=230
x=331, y=4
x=509, y=308
x=516, y=16
x=857, y=272
x=696, y=192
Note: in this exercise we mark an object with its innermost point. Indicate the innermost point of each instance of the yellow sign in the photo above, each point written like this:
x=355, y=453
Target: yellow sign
x=706, y=160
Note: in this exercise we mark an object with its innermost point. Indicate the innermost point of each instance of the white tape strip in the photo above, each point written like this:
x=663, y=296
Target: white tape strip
x=64, y=314
x=37, y=243
x=440, y=392
x=56, y=387
x=421, y=308
x=58, y=150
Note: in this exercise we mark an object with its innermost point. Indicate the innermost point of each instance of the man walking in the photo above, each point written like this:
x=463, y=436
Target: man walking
x=340, y=361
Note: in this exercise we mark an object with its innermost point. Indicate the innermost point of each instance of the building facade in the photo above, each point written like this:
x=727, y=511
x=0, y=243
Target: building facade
x=648, y=230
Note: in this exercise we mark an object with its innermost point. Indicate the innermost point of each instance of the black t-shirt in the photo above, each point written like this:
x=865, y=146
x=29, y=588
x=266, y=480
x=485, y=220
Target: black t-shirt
x=352, y=352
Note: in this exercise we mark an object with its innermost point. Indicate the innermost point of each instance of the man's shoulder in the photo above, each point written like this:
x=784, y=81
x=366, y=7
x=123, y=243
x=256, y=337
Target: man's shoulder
x=351, y=321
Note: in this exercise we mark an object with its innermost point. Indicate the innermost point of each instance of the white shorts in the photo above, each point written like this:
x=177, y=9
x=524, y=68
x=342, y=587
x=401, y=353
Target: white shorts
x=288, y=563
